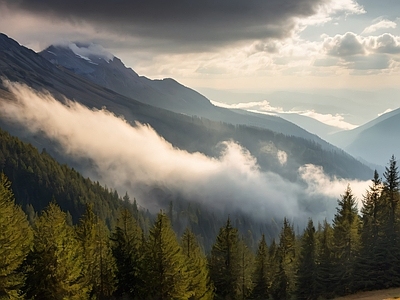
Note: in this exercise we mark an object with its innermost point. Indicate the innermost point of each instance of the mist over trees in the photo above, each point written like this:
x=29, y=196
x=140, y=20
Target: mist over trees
x=52, y=257
x=64, y=236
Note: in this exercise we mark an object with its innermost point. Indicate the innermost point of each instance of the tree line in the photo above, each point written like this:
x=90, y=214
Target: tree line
x=49, y=257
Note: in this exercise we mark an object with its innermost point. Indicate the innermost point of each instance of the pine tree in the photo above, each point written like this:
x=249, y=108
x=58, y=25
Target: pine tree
x=127, y=244
x=390, y=243
x=346, y=226
x=307, y=273
x=200, y=285
x=167, y=274
x=55, y=265
x=99, y=266
x=246, y=269
x=370, y=274
x=262, y=273
x=283, y=285
x=391, y=192
x=15, y=240
x=325, y=261
x=224, y=263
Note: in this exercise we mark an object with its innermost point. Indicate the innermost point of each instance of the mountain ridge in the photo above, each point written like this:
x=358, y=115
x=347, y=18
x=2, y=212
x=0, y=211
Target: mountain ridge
x=183, y=131
x=166, y=93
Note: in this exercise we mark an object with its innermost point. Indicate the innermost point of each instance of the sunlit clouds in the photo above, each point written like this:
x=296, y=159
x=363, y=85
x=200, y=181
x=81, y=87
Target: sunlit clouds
x=258, y=45
x=335, y=120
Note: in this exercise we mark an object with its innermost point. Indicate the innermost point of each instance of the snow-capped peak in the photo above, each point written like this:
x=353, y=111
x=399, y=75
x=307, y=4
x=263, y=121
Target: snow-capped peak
x=87, y=51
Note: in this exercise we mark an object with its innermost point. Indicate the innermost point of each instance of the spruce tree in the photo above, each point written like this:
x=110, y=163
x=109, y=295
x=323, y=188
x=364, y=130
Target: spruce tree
x=166, y=270
x=325, y=261
x=390, y=243
x=262, y=272
x=283, y=285
x=55, y=265
x=246, y=269
x=15, y=240
x=99, y=266
x=307, y=273
x=224, y=263
x=199, y=280
x=346, y=226
x=370, y=274
x=127, y=244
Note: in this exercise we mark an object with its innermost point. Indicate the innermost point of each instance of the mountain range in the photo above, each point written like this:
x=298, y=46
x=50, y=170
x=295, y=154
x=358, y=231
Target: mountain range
x=374, y=142
x=207, y=154
x=166, y=93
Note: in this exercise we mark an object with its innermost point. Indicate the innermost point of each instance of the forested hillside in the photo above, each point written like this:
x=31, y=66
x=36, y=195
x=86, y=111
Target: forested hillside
x=49, y=258
x=37, y=179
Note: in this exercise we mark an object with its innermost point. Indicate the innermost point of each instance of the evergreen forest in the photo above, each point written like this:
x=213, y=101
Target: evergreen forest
x=63, y=236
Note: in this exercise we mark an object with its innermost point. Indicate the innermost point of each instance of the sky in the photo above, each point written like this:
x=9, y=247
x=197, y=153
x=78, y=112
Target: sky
x=236, y=45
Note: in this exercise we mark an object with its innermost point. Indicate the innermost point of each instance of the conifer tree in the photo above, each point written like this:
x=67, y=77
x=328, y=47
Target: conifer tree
x=55, y=265
x=390, y=243
x=370, y=274
x=199, y=280
x=224, y=263
x=166, y=271
x=262, y=272
x=325, y=261
x=127, y=244
x=246, y=269
x=346, y=226
x=283, y=285
x=391, y=192
x=15, y=240
x=307, y=273
x=99, y=266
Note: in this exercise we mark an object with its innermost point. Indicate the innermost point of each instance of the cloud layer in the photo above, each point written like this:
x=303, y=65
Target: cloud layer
x=189, y=24
x=335, y=120
x=136, y=159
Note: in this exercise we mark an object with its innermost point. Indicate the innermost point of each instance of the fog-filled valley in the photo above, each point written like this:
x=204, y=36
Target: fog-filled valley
x=238, y=158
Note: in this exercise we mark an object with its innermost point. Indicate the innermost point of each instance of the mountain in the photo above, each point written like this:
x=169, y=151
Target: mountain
x=193, y=134
x=322, y=130
x=113, y=74
x=108, y=71
x=375, y=141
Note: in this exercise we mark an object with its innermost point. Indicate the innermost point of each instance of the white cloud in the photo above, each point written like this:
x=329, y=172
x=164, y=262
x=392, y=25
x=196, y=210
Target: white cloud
x=282, y=157
x=345, y=45
x=265, y=107
x=136, y=159
x=386, y=111
x=327, y=10
x=91, y=50
x=333, y=120
x=382, y=24
x=321, y=184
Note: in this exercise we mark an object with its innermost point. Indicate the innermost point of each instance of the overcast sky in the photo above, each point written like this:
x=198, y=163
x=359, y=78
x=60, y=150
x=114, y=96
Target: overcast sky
x=252, y=45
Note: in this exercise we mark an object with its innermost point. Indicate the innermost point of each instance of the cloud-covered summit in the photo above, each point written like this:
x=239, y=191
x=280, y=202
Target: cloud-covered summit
x=87, y=50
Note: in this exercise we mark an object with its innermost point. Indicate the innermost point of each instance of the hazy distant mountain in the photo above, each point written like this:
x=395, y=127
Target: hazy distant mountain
x=356, y=107
x=375, y=141
x=323, y=130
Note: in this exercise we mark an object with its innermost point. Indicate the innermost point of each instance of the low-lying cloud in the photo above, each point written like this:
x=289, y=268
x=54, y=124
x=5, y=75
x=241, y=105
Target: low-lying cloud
x=265, y=107
x=136, y=159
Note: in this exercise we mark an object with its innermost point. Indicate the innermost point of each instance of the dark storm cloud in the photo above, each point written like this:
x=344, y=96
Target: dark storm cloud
x=192, y=21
